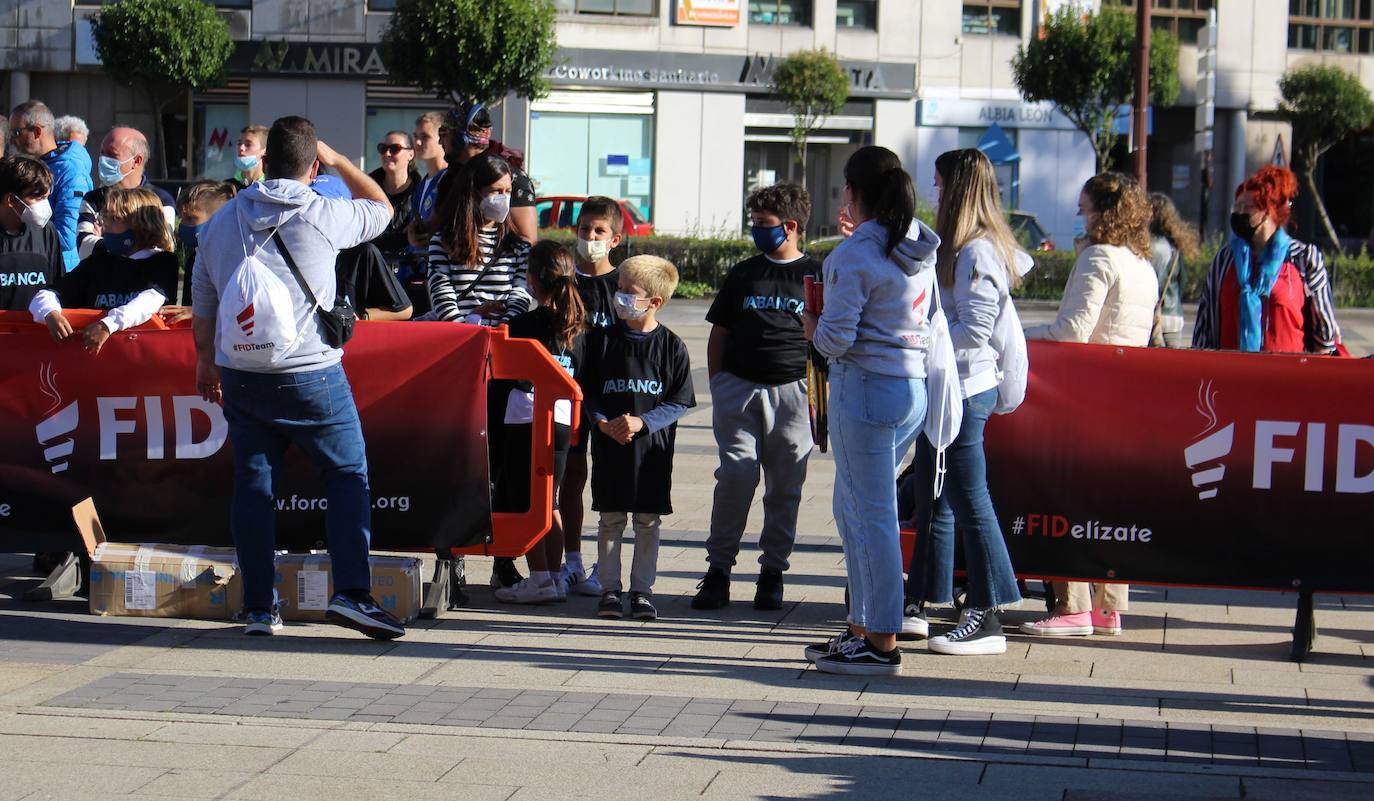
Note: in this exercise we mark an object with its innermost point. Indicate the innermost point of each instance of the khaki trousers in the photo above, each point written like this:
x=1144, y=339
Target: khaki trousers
x=1073, y=597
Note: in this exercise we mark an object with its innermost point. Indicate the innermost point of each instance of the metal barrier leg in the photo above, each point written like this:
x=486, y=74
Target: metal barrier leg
x=436, y=594
x=64, y=581
x=1304, y=628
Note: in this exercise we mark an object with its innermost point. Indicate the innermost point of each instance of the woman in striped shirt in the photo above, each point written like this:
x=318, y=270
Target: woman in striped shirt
x=477, y=262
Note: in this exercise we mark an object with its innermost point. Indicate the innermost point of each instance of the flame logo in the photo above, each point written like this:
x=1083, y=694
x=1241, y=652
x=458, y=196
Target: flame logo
x=1212, y=443
x=53, y=426
x=245, y=320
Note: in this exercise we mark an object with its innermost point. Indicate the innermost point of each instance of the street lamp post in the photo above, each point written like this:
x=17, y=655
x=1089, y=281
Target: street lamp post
x=1142, y=88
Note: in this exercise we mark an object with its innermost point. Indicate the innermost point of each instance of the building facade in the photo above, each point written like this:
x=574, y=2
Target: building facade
x=665, y=102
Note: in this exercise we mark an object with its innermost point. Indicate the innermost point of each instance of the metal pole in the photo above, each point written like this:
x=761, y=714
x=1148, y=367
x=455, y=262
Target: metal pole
x=1142, y=87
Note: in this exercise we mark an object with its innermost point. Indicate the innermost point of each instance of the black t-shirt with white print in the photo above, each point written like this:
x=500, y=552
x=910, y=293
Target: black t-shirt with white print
x=105, y=281
x=627, y=374
x=29, y=261
x=598, y=296
x=761, y=303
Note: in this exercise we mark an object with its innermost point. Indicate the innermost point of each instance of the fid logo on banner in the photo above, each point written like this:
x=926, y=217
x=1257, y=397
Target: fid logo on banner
x=1212, y=444
x=54, y=425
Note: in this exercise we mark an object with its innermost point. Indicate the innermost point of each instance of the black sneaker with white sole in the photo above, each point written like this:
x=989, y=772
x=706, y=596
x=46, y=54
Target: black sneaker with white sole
x=611, y=606
x=858, y=657
x=363, y=614
x=830, y=646
x=642, y=607
x=915, y=625
x=980, y=632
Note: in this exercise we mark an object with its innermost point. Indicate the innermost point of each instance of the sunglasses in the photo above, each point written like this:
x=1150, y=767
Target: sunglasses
x=390, y=150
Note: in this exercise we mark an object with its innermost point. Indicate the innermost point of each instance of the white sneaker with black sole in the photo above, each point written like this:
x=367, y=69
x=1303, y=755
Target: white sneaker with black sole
x=980, y=633
x=830, y=646
x=915, y=625
x=858, y=657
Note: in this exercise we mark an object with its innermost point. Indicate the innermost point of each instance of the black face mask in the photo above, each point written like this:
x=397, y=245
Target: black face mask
x=1242, y=227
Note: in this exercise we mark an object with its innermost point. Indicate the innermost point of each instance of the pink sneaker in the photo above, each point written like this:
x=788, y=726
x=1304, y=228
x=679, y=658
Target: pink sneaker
x=1106, y=623
x=1079, y=624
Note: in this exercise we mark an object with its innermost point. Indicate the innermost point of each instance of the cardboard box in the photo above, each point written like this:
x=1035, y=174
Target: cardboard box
x=305, y=584
x=165, y=581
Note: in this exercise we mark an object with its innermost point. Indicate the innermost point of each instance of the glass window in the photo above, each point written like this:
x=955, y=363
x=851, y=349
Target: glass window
x=380, y=120
x=993, y=16
x=862, y=14
x=1183, y=18
x=215, y=139
x=581, y=154
x=780, y=12
x=1331, y=26
x=618, y=8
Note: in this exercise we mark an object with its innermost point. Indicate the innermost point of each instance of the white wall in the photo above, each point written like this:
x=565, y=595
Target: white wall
x=699, y=162
x=1054, y=166
x=930, y=143
x=336, y=108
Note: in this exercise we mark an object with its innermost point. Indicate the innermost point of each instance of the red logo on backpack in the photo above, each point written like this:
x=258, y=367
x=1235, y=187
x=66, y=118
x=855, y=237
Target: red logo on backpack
x=245, y=319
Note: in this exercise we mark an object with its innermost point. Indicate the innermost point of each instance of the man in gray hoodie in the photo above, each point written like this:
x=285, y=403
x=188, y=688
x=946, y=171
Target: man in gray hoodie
x=304, y=397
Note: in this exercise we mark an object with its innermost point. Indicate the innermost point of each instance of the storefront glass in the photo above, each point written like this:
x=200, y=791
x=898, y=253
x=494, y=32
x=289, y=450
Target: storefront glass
x=574, y=153
x=381, y=120
x=216, y=138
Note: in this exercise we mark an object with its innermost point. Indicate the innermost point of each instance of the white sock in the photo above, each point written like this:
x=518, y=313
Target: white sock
x=541, y=578
x=573, y=559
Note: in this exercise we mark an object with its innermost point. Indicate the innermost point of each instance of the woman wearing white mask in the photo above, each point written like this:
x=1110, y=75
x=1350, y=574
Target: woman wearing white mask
x=477, y=263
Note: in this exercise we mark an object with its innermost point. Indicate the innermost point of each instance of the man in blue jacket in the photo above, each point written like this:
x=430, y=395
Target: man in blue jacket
x=32, y=127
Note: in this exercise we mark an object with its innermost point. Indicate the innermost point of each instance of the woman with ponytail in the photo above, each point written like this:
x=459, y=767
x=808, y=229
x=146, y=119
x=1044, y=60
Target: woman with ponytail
x=1266, y=291
x=875, y=329
x=557, y=324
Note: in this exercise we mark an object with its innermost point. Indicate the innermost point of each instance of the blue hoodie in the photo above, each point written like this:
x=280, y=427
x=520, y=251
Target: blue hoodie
x=877, y=308
x=71, y=180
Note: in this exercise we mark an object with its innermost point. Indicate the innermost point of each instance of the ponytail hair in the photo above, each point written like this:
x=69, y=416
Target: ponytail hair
x=554, y=270
x=883, y=191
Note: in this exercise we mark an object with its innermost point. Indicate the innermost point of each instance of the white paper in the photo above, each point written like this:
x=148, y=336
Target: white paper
x=312, y=590
x=140, y=589
x=637, y=185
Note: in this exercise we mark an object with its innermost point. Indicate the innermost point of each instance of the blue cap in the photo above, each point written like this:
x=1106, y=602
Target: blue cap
x=326, y=185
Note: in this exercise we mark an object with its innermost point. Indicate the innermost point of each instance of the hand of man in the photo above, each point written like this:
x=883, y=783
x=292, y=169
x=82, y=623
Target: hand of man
x=326, y=155
x=58, y=326
x=809, y=322
x=171, y=315
x=93, y=337
x=207, y=381
x=492, y=309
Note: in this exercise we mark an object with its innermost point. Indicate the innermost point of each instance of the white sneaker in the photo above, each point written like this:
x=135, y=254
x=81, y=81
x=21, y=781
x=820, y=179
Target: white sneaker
x=560, y=588
x=915, y=626
x=590, y=584
x=527, y=592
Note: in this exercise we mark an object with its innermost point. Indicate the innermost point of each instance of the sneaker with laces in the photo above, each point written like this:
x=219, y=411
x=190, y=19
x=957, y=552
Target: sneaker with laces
x=980, y=632
x=363, y=615
x=591, y=583
x=1106, y=623
x=1078, y=624
x=262, y=623
x=858, y=657
x=527, y=592
x=713, y=591
x=504, y=573
x=642, y=607
x=768, y=591
x=830, y=646
x=915, y=625
x=611, y=606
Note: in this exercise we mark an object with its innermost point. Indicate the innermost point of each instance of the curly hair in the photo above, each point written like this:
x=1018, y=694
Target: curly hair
x=1123, y=213
x=1165, y=222
x=1273, y=190
x=784, y=201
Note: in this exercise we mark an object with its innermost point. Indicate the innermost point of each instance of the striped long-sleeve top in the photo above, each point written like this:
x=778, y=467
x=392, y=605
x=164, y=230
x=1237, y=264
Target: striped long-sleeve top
x=1298, y=315
x=455, y=291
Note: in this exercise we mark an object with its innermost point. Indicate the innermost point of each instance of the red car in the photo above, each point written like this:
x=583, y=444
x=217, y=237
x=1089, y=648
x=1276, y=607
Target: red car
x=561, y=211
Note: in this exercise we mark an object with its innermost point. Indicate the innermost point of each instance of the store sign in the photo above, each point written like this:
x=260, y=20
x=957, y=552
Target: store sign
x=323, y=59
x=982, y=113
x=711, y=13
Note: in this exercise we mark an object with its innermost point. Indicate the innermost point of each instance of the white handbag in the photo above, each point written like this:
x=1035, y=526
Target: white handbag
x=944, y=390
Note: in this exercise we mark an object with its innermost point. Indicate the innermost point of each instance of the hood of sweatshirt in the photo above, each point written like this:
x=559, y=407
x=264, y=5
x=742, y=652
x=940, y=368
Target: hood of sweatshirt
x=914, y=253
x=267, y=204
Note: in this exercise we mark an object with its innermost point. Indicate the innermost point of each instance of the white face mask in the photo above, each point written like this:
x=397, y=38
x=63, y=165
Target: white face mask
x=593, y=250
x=626, y=307
x=36, y=214
x=495, y=207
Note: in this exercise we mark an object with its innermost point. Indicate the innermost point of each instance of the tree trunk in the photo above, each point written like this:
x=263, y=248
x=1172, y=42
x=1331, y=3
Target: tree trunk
x=802, y=152
x=1309, y=175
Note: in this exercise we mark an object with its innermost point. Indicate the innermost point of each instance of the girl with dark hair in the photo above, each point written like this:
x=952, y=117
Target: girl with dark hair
x=1172, y=241
x=1266, y=291
x=477, y=262
x=875, y=329
x=558, y=324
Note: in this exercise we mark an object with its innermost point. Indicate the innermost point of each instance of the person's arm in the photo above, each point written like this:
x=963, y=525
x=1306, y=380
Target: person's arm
x=443, y=298
x=361, y=219
x=518, y=297
x=662, y=416
x=716, y=344
x=140, y=309
x=1205, y=326
x=87, y=229
x=207, y=374
x=1081, y=306
x=838, y=325
x=65, y=199
x=977, y=299
x=522, y=216
x=1319, y=313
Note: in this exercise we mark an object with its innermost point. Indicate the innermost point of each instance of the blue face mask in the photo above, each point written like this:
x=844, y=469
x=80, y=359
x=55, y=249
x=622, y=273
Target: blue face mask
x=245, y=162
x=110, y=170
x=768, y=239
x=189, y=234
x=119, y=244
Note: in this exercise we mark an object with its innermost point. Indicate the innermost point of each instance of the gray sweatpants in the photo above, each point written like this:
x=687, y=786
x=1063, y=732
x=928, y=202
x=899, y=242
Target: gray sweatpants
x=758, y=426
x=610, y=532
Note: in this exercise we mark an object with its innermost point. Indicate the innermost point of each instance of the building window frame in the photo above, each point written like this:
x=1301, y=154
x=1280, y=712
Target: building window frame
x=1185, y=19
x=870, y=17
x=579, y=8
x=786, y=13
x=1320, y=26
x=992, y=13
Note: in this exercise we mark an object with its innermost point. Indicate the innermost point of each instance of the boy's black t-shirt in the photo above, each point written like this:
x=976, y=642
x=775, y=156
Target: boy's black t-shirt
x=103, y=280
x=29, y=261
x=598, y=295
x=761, y=303
x=631, y=376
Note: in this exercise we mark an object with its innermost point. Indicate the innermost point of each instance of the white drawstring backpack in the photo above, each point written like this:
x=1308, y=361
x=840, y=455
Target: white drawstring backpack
x=944, y=390
x=1009, y=341
x=256, y=319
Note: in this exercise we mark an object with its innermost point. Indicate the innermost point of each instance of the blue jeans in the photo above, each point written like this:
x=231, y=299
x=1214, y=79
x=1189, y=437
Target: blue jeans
x=268, y=412
x=874, y=420
x=965, y=500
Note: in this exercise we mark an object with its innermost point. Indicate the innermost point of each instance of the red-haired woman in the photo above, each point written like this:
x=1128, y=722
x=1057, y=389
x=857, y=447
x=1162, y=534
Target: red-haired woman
x=1266, y=292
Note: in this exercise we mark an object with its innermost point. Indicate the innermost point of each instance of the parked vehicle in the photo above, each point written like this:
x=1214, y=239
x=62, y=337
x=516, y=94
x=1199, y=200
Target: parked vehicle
x=560, y=211
x=1029, y=232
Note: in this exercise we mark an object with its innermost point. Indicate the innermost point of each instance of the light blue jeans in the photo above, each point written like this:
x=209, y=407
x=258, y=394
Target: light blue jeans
x=874, y=419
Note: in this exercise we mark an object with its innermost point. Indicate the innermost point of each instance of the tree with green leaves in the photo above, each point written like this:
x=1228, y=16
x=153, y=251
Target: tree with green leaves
x=1085, y=65
x=813, y=86
x=1324, y=105
x=472, y=50
x=167, y=47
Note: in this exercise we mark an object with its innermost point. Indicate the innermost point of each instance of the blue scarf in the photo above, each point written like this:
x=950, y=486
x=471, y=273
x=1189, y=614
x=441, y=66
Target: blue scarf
x=1255, y=288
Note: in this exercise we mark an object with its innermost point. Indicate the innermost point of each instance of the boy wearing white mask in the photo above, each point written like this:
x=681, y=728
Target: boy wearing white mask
x=30, y=250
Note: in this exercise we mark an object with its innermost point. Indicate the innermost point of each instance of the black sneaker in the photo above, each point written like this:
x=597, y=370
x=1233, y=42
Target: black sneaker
x=713, y=591
x=363, y=615
x=979, y=633
x=768, y=592
x=504, y=573
x=830, y=646
x=641, y=608
x=915, y=626
x=610, y=606
x=858, y=657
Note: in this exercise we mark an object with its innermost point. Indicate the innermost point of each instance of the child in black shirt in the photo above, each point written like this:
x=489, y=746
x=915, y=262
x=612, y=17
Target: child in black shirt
x=638, y=384
x=132, y=277
x=756, y=358
x=30, y=251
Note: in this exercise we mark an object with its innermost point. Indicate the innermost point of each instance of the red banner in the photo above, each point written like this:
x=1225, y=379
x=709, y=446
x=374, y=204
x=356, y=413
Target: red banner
x=127, y=428
x=1185, y=467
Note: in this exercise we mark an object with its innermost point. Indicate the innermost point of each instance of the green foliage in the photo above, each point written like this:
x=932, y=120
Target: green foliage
x=172, y=44
x=1085, y=65
x=812, y=85
x=466, y=50
x=693, y=290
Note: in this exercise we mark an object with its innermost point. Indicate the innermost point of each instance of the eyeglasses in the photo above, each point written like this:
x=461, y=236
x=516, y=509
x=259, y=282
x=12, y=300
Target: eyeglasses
x=390, y=149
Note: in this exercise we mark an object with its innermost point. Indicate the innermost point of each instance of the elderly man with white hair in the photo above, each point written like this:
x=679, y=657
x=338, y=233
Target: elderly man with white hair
x=71, y=129
x=32, y=133
x=123, y=161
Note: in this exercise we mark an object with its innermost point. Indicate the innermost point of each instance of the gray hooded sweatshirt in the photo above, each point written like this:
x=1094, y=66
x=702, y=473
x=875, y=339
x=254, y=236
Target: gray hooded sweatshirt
x=314, y=228
x=877, y=307
x=973, y=305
